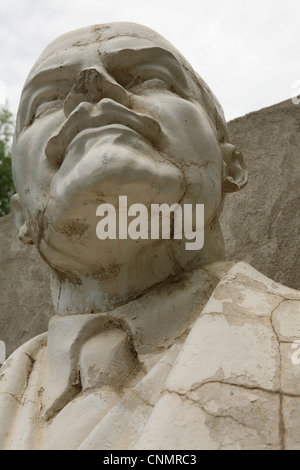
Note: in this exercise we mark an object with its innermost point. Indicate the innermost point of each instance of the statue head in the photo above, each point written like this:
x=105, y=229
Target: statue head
x=112, y=110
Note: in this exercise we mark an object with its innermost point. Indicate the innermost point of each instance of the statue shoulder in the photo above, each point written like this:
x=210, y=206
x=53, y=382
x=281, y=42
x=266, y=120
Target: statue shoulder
x=242, y=273
x=237, y=369
x=243, y=290
x=14, y=378
x=21, y=360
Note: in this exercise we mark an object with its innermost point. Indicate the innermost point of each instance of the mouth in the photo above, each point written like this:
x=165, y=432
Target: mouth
x=87, y=116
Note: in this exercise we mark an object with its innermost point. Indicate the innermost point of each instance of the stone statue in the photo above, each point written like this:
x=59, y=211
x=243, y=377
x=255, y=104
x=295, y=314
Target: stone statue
x=153, y=346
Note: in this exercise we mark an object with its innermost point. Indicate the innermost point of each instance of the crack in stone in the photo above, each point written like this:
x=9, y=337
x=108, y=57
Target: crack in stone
x=202, y=407
x=146, y=403
x=29, y=401
x=246, y=316
x=246, y=387
x=11, y=395
x=30, y=358
x=282, y=428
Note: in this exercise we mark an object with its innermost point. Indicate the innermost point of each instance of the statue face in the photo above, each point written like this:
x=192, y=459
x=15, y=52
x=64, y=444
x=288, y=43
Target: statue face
x=104, y=114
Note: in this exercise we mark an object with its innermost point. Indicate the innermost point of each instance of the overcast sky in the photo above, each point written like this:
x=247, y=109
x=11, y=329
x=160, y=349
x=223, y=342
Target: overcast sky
x=246, y=50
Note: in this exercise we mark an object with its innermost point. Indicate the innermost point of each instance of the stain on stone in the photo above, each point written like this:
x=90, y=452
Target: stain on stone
x=74, y=227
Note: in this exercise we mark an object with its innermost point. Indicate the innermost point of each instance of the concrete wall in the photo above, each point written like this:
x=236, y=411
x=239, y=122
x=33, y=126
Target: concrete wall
x=261, y=223
x=25, y=301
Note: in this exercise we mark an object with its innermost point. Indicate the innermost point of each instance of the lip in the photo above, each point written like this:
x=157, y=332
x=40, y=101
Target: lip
x=100, y=131
x=87, y=116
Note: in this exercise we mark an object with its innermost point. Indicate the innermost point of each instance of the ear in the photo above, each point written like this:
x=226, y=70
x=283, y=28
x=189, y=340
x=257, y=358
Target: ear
x=19, y=219
x=235, y=173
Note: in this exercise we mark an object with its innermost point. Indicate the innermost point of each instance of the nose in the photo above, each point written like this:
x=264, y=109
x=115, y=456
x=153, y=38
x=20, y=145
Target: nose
x=91, y=85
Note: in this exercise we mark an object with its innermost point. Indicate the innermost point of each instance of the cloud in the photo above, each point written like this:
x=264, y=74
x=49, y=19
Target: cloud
x=246, y=51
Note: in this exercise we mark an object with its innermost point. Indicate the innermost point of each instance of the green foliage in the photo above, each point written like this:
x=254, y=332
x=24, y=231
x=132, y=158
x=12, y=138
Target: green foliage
x=6, y=182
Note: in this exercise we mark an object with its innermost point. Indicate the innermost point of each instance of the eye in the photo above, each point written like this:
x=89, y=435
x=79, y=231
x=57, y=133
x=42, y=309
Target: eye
x=147, y=78
x=47, y=101
x=143, y=84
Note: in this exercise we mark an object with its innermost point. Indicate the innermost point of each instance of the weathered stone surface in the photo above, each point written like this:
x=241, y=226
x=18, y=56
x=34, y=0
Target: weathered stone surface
x=25, y=302
x=291, y=419
x=86, y=411
x=217, y=416
x=217, y=389
x=231, y=409
x=175, y=348
x=220, y=348
x=290, y=370
x=244, y=291
x=121, y=426
x=234, y=344
x=286, y=320
x=173, y=413
x=106, y=360
x=261, y=223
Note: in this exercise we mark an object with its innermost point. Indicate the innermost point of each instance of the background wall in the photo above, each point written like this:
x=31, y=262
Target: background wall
x=261, y=223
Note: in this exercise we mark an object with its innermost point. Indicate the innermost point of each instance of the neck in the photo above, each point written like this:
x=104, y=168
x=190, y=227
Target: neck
x=155, y=322
x=154, y=266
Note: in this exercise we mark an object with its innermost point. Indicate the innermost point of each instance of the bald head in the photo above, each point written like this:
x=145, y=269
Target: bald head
x=112, y=110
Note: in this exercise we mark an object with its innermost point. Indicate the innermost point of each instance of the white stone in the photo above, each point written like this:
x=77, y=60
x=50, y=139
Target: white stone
x=240, y=294
x=286, y=320
x=152, y=345
x=290, y=369
x=264, y=282
x=106, y=360
x=75, y=422
x=291, y=417
x=176, y=423
x=240, y=418
x=217, y=349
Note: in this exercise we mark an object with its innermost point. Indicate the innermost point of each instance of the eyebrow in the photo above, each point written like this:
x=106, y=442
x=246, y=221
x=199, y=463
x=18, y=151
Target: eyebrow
x=142, y=55
x=53, y=73
x=44, y=79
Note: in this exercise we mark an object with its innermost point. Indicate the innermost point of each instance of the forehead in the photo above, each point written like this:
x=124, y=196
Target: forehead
x=94, y=44
x=116, y=47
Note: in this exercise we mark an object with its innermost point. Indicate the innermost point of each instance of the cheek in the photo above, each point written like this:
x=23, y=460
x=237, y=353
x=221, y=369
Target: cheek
x=189, y=139
x=165, y=107
x=32, y=169
x=211, y=193
x=186, y=132
x=204, y=187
